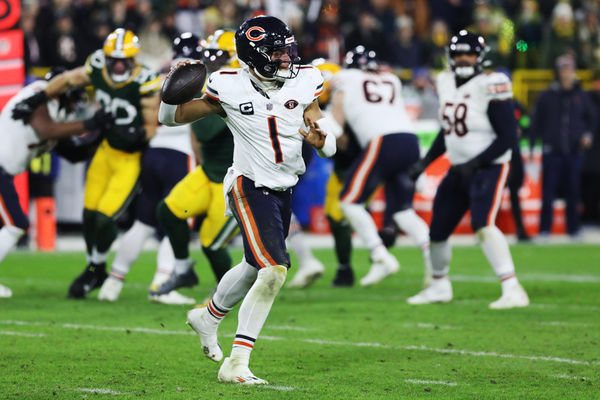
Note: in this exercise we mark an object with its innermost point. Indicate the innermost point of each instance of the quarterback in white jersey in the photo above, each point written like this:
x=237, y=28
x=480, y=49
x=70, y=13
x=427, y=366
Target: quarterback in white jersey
x=478, y=131
x=267, y=106
x=369, y=100
x=46, y=126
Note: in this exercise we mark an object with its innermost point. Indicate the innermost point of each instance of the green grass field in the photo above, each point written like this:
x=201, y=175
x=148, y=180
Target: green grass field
x=319, y=343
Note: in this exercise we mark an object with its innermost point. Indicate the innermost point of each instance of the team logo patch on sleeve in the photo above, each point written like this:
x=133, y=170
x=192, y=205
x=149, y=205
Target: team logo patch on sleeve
x=291, y=104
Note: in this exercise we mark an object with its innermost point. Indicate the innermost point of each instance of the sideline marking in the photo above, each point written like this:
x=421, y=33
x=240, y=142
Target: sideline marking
x=421, y=381
x=321, y=341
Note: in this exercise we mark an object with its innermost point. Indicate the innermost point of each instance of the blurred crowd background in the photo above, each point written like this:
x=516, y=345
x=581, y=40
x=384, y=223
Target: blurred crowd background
x=405, y=33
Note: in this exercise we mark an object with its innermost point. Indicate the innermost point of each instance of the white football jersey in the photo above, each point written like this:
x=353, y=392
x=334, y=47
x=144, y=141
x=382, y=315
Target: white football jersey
x=373, y=104
x=267, y=144
x=463, y=113
x=20, y=142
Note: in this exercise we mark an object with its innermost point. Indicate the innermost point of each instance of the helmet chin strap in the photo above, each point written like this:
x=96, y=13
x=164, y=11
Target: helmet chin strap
x=262, y=77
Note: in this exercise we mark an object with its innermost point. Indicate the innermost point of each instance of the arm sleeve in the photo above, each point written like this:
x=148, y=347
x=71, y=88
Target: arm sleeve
x=330, y=128
x=502, y=118
x=166, y=114
x=438, y=147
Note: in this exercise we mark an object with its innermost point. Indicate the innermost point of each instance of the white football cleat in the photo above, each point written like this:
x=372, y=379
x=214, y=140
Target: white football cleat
x=5, y=292
x=427, y=279
x=308, y=273
x=111, y=289
x=513, y=298
x=236, y=371
x=198, y=320
x=385, y=265
x=171, y=298
x=440, y=291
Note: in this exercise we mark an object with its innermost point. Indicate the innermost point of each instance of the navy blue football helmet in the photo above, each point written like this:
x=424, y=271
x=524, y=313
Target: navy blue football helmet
x=256, y=40
x=466, y=42
x=187, y=46
x=361, y=58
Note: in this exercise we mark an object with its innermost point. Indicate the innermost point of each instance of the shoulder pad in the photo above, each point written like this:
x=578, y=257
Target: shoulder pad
x=150, y=81
x=95, y=61
x=498, y=86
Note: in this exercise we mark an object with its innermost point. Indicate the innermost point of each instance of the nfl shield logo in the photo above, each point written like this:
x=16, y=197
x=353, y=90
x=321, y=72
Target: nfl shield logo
x=269, y=107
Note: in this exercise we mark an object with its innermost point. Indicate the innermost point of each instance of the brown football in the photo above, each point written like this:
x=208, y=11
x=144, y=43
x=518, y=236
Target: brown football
x=183, y=83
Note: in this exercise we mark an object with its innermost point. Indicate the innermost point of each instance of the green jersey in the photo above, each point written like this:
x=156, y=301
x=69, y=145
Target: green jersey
x=217, y=146
x=122, y=99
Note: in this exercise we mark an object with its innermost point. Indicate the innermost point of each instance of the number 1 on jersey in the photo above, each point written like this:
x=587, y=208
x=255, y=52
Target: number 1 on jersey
x=275, y=139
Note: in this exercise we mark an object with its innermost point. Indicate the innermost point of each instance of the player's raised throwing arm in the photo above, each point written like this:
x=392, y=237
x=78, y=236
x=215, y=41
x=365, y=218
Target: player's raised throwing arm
x=173, y=115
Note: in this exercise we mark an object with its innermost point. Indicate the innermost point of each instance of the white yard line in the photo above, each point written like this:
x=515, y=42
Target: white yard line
x=426, y=382
x=99, y=328
x=23, y=334
x=320, y=341
x=279, y=388
x=561, y=323
x=426, y=325
x=287, y=328
x=530, y=277
x=99, y=391
x=578, y=378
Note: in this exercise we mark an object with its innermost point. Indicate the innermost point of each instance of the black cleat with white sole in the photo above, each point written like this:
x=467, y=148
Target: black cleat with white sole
x=91, y=278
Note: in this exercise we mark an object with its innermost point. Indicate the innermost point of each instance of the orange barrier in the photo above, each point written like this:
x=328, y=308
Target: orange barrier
x=45, y=223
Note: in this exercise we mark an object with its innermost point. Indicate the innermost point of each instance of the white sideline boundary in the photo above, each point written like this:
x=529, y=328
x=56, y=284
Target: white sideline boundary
x=318, y=341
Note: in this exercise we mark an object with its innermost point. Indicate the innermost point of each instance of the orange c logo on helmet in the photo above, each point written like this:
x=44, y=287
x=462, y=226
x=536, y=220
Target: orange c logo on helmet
x=255, y=37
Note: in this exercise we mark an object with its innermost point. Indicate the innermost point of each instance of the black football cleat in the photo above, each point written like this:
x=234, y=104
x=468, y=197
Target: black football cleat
x=91, y=278
x=343, y=278
x=175, y=281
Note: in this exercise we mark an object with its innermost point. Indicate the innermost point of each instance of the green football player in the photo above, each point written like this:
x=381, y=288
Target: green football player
x=130, y=92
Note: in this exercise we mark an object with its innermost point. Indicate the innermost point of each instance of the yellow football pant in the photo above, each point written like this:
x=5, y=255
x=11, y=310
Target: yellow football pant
x=197, y=195
x=111, y=180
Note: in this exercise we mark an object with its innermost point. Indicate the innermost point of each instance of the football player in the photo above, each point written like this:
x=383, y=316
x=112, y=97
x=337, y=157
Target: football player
x=200, y=193
x=270, y=106
x=478, y=131
x=130, y=91
x=167, y=160
x=347, y=150
x=47, y=124
x=369, y=100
